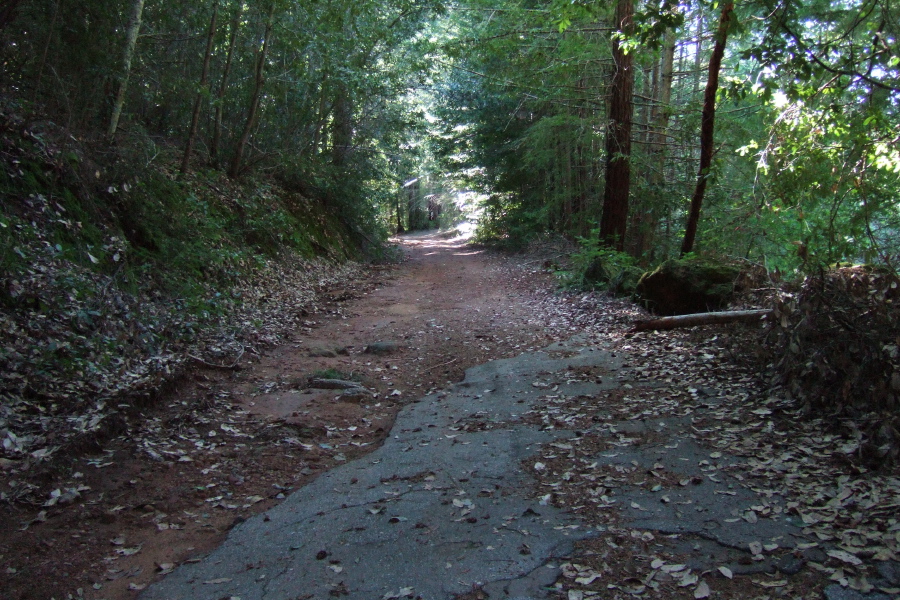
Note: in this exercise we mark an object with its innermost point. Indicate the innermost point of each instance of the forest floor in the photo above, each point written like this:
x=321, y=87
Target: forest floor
x=233, y=443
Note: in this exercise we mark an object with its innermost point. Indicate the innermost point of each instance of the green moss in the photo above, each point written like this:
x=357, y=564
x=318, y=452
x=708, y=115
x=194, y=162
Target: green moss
x=689, y=285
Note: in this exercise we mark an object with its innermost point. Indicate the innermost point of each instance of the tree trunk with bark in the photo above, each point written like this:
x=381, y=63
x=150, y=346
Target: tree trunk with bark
x=131, y=36
x=203, y=91
x=259, y=80
x=657, y=144
x=707, y=127
x=320, y=134
x=223, y=86
x=341, y=126
x=614, y=219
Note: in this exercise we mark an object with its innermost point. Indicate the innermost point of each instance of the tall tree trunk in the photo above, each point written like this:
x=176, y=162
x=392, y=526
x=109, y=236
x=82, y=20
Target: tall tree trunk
x=223, y=86
x=570, y=191
x=698, y=54
x=131, y=36
x=341, y=126
x=618, y=136
x=707, y=127
x=657, y=145
x=203, y=91
x=666, y=77
x=319, y=134
x=580, y=185
x=235, y=168
x=399, y=216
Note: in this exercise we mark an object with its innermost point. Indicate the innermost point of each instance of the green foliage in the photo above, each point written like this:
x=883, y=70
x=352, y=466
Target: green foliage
x=181, y=237
x=104, y=267
x=595, y=266
x=519, y=151
x=334, y=99
x=507, y=100
x=806, y=167
x=509, y=225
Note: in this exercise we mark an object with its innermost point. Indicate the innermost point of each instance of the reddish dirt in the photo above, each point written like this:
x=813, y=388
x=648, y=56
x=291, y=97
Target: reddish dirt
x=229, y=444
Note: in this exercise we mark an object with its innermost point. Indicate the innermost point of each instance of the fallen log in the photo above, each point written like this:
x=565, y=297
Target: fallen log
x=710, y=318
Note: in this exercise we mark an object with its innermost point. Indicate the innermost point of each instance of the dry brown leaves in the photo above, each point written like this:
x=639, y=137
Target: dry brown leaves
x=836, y=343
x=710, y=377
x=89, y=353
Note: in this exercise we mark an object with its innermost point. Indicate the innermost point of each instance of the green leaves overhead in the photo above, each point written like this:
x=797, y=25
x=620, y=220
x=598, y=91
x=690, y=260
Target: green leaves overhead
x=806, y=131
x=356, y=98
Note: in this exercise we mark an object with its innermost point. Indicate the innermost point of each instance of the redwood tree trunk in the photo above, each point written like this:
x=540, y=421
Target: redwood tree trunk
x=202, y=92
x=707, y=126
x=618, y=137
x=235, y=169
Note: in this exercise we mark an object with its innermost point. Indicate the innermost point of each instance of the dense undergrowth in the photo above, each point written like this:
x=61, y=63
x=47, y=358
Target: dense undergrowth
x=115, y=270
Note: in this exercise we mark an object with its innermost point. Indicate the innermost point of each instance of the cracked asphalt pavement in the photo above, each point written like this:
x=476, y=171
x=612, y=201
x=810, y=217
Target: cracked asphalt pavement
x=450, y=506
x=435, y=509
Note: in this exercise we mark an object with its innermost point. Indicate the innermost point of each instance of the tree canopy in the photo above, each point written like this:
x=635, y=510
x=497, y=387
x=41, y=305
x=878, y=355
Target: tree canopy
x=582, y=118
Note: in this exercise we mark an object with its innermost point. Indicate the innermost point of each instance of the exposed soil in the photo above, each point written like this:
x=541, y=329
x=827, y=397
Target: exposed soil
x=229, y=443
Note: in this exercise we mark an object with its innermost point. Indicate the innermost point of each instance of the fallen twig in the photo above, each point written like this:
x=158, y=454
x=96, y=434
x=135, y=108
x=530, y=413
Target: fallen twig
x=441, y=365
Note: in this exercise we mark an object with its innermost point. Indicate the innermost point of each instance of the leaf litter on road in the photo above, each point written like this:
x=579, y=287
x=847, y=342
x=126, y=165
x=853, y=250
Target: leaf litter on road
x=802, y=472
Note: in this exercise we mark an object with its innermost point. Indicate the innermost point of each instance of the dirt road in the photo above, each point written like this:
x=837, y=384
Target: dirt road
x=227, y=444
x=591, y=463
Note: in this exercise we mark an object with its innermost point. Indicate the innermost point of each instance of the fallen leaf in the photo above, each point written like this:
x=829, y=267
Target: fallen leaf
x=404, y=592
x=673, y=568
x=772, y=584
x=844, y=556
x=588, y=578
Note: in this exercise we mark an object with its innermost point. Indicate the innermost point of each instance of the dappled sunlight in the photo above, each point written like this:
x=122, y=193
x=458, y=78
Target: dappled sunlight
x=457, y=238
